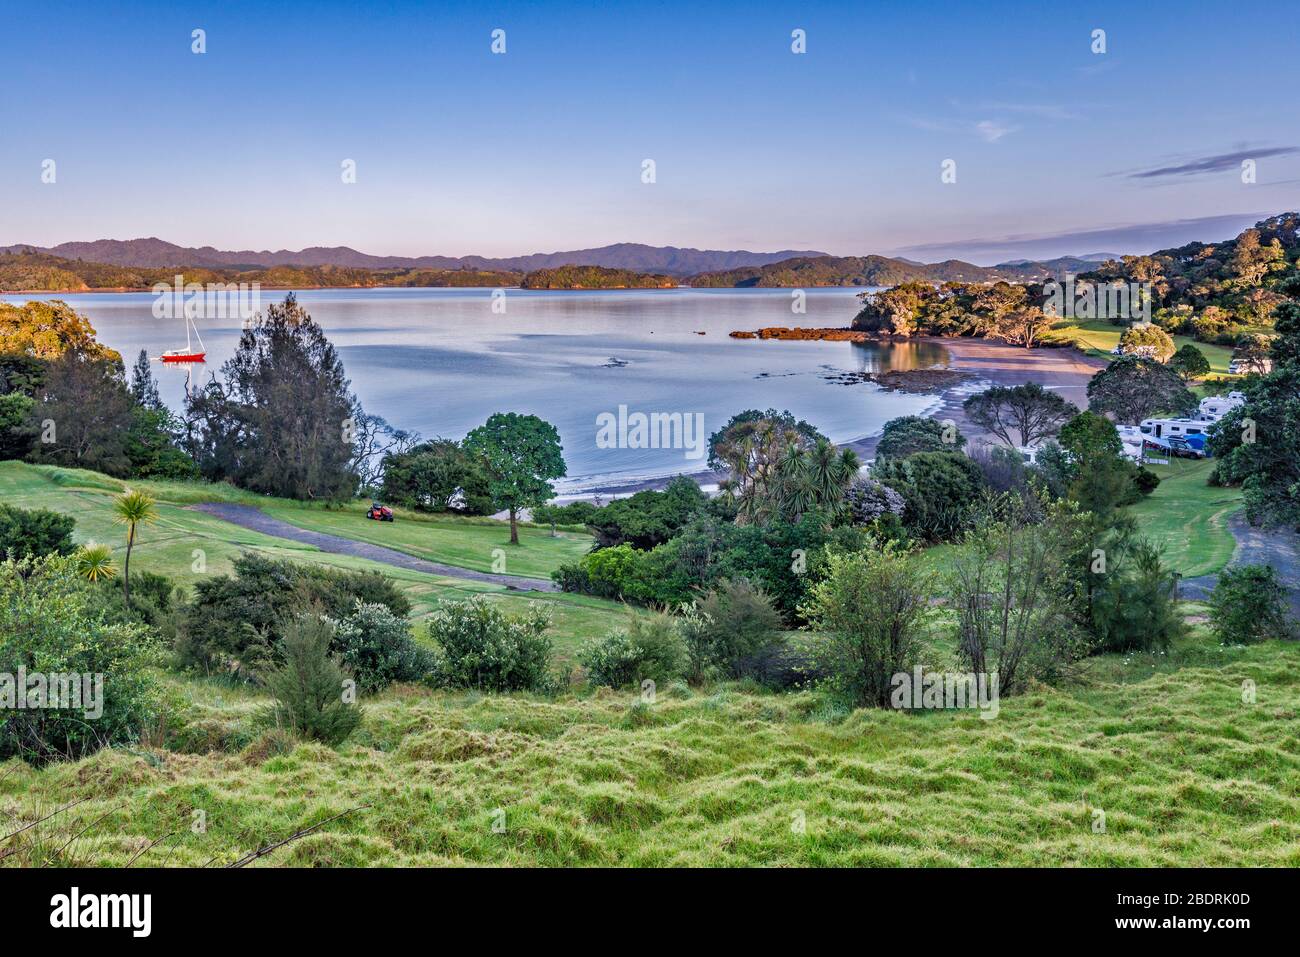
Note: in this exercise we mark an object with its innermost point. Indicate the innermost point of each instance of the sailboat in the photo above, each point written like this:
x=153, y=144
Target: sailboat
x=189, y=353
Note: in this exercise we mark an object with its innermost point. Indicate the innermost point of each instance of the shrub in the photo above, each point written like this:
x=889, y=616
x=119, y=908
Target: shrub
x=237, y=619
x=873, y=611
x=1133, y=603
x=308, y=687
x=738, y=624
x=939, y=489
x=49, y=624
x=1146, y=480
x=27, y=533
x=377, y=647
x=648, y=518
x=869, y=500
x=1249, y=604
x=482, y=647
x=650, y=649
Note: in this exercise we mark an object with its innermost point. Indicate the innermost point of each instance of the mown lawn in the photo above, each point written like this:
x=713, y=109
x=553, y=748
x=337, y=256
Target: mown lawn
x=479, y=543
x=1188, y=518
x=1184, y=772
x=1097, y=337
x=188, y=546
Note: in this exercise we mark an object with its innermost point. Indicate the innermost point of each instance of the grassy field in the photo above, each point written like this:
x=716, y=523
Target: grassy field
x=1097, y=337
x=1189, y=518
x=1184, y=771
x=451, y=540
x=168, y=547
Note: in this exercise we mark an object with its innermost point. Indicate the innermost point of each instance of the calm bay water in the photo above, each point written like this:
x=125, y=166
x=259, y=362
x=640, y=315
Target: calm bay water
x=439, y=361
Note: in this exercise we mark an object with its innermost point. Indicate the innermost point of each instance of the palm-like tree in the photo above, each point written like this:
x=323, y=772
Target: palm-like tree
x=95, y=562
x=132, y=509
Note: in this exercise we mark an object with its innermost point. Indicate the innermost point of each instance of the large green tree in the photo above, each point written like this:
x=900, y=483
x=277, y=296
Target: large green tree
x=521, y=454
x=1133, y=388
x=1032, y=412
x=284, y=421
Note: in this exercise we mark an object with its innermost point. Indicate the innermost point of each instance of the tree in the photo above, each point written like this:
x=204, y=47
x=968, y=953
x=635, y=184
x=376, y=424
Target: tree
x=1010, y=586
x=132, y=509
x=143, y=385
x=1147, y=340
x=521, y=454
x=1022, y=327
x=285, y=421
x=872, y=610
x=1254, y=353
x=1190, y=363
x=436, y=476
x=1099, y=477
x=910, y=434
x=1032, y=411
x=939, y=490
x=83, y=414
x=50, y=330
x=307, y=687
x=1133, y=388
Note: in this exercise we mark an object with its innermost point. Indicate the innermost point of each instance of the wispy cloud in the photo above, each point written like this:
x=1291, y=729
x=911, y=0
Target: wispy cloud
x=1208, y=164
x=992, y=130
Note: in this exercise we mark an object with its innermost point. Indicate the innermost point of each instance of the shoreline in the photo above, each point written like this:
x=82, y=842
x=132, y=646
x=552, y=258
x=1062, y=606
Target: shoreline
x=986, y=362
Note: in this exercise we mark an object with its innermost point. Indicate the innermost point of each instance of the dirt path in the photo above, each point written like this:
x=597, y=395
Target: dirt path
x=248, y=516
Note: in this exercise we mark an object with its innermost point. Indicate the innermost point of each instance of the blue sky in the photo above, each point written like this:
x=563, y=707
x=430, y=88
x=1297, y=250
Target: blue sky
x=460, y=151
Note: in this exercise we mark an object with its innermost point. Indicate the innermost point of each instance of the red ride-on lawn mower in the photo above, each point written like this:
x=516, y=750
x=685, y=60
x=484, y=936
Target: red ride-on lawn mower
x=379, y=513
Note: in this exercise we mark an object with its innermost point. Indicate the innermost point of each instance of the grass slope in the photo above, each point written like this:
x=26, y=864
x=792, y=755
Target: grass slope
x=1097, y=337
x=168, y=546
x=1188, y=518
x=1184, y=771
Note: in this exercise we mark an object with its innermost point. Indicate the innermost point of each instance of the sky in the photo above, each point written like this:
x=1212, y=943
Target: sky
x=458, y=150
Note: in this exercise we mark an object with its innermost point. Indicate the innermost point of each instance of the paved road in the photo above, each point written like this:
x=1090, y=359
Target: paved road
x=248, y=516
x=1278, y=547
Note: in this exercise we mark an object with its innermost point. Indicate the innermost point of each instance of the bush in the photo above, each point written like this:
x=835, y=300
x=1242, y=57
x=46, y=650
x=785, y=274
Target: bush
x=910, y=434
x=1146, y=480
x=49, y=624
x=869, y=501
x=309, y=686
x=648, y=518
x=873, y=611
x=650, y=649
x=939, y=489
x=437, y=476
x=377, y=647
x=1133, y=603
x=482, y=647
x=236, y=620
x=736, y=624
x=27, y=533
x=1249, y=604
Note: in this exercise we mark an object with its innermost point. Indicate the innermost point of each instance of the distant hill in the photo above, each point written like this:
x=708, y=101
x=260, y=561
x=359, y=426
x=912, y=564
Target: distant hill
x=156, y=253
x=885, y=271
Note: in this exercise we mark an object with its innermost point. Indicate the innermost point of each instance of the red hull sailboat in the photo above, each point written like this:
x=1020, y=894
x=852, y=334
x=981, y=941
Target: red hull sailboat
x=189, y=353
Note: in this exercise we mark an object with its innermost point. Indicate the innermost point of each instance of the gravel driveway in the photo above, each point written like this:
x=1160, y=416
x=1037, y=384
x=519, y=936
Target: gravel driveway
x=1278, y=547
x=248, y=516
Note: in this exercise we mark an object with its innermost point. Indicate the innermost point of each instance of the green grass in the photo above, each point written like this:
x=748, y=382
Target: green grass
x=168, y=547
x=478, y=543
x=1188, y=518
x=1185, y=772
x=1097, y=337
